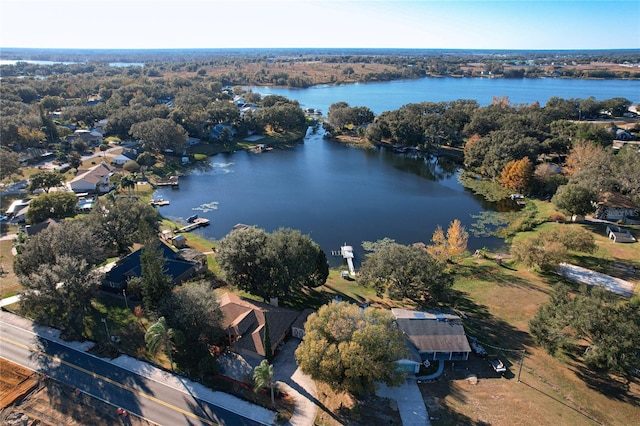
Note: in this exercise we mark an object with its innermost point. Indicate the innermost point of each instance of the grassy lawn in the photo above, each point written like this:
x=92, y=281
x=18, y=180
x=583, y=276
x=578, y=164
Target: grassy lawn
x=498, y=301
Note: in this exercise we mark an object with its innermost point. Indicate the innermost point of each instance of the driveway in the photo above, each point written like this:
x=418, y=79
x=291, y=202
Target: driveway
x=411, y=406
x=294, y=382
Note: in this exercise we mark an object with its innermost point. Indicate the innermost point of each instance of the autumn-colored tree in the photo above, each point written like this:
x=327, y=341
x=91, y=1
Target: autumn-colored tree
x=444, y=248
x=582, y=154
x=517, y=174
x=457, y=238
x=470, y=142
x=438, y=249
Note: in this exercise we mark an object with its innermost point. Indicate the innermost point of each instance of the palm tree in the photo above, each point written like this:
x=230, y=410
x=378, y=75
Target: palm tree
x=160, y=335
x=263, y=377
x=128, y=182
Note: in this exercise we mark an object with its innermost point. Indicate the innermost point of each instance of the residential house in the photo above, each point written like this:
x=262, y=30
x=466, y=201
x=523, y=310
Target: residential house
x=16, y=206
x=218, y=129
x=90, y=137
x=180, y=265
x=123, y=158
x=96, y=179
x=615, y=206
x=431, y=335
x=245, y=323
x=32, y=230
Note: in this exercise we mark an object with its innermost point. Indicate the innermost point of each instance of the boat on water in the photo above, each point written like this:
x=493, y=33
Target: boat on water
x=192, y=219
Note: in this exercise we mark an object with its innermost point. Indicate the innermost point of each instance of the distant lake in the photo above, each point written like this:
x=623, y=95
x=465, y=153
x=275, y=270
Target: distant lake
x=339, y=194
x=387, y=96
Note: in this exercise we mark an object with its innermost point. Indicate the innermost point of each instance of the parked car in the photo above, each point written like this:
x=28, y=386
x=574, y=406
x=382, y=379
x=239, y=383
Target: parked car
x=497, y=365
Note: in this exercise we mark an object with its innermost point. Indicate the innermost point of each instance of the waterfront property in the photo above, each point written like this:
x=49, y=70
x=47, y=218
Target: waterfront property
x=432, y=335
x=96, y=179
x=180, y=265
x=245, y=323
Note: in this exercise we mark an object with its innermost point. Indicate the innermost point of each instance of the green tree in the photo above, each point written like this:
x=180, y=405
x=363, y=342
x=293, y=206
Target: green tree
x=574, y=199
x=160, y=134
x=45, y=180
x=59, y=294
x=156, y=285
x=263, y=378
x=77, y=239
x=160, y=337
x=56, y=205
x=549, y=248
x=10, y=163
x=266, y=341
x=122, y=222
x=351, y=348
x=75, y=160
x=103, y=148
x=596, y=326
x=401, y=271
x=193, y=310
x=271, y=265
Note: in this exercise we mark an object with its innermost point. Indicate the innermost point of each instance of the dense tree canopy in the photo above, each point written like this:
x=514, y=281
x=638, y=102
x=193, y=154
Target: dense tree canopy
x=77, y=239
x=270, y=265
x=56, y=205
x=410, y=272
x=159, y=134
x=10, y=163
x=574, y=199
x=194, y=311
x=59, y=294
x=605, y=323
x=123, y=221
x=351, y=348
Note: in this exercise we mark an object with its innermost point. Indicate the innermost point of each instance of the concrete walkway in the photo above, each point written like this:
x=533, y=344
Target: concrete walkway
x=411, y=406
x=293, y=381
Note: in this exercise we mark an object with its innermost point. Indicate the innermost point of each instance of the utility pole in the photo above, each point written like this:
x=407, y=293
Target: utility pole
x=521, y=362
x=126, y=302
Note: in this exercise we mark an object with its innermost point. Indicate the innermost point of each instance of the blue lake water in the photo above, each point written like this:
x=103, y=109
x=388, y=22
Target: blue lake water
x=336, y=193
x=330, y=191
x=386, y=96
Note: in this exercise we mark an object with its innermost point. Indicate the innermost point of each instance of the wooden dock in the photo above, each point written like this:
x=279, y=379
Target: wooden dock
x=172, y=181
x=196, y=224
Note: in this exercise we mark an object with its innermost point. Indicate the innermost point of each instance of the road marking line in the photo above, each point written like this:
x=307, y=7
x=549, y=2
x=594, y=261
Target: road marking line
x=108, y=380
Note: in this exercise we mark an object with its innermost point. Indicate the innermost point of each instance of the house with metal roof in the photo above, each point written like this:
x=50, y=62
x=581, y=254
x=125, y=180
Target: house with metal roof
x=433, y=335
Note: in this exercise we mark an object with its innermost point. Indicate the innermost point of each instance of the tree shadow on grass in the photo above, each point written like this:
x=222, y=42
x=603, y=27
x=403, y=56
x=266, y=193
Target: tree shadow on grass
x=496, y=335
x=434, y=394
x=504, y=275
x=610, y=385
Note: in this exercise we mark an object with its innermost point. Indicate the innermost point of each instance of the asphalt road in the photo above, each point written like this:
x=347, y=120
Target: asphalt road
x=139, y=395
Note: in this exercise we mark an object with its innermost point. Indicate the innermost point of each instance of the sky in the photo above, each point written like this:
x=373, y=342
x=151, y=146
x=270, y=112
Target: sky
x=428, y=24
